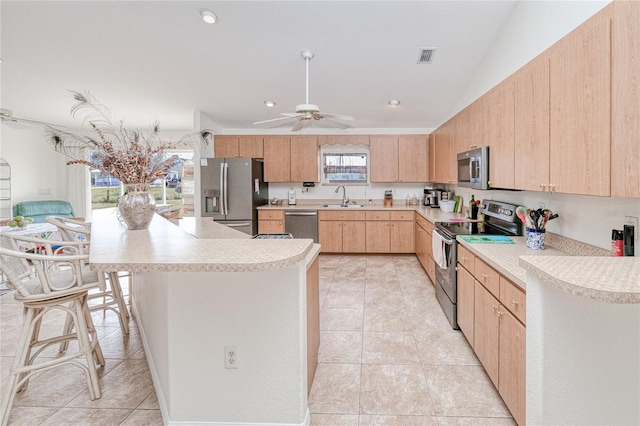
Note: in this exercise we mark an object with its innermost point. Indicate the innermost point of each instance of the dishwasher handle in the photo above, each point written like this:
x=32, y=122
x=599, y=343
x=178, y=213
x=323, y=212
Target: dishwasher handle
x=301, y=213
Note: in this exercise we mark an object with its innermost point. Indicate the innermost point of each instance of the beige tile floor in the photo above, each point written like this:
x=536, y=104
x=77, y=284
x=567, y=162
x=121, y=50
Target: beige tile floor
x=387, y=357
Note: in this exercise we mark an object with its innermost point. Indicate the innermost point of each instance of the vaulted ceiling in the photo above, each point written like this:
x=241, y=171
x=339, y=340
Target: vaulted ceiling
x=158, y=59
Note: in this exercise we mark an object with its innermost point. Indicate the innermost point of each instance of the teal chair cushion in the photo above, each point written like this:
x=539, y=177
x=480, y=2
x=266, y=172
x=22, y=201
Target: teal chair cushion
x=39, y=210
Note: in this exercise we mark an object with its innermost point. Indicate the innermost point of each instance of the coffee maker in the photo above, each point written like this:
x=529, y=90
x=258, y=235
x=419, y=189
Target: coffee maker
x=434, y=198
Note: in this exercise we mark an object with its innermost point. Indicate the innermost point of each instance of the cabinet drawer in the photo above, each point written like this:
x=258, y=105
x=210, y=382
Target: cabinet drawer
x=271, y=214
x=513, y=299
x=466, y=259
x=340, y=215
x=401, y=215
x=422, y=222
x=487, y=276
x=377, y=215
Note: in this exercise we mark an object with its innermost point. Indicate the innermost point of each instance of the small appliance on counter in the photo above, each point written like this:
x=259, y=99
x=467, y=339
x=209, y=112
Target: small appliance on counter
x=388, y=198
x=434, y=198
x=292, y=197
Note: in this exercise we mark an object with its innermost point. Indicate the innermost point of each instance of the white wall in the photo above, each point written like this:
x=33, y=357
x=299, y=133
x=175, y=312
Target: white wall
x=532, y=27
x=37, y=172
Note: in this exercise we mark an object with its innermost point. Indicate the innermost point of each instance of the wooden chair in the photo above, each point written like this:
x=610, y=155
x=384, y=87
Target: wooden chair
x=72, y=229
x=58, y=280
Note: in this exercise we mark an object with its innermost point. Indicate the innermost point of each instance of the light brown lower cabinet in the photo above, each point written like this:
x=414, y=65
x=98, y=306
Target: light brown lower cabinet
x=341, y=232
x=423, y=250
x=378, y=237
x=499, y=340
x=466, y=288
x=270, y=221
x=313, y=321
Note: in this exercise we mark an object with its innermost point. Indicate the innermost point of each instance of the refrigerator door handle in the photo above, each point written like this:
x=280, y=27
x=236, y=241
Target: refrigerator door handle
x=238, y=225
x=226, y=188
x=222, y=197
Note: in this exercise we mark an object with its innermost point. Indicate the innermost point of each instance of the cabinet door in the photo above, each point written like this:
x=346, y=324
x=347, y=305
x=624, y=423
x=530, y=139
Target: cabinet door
x=377, y=237
x=486, y=330
x=431, y=155
x=421, y=245
x=412, y=158
x=330, y=236
x=225, y=146
x=580, y=93
x=531, y=131
x=625, y=82
x=401, y=237
x=353, y=237
x=304, y=159
x=465, y=303
x=277, y=159
x=313, y=320
x=250, y=147
x=446, y=161
x=512, y=375
x=498, y=128
x=270, y=226
x=383, y=151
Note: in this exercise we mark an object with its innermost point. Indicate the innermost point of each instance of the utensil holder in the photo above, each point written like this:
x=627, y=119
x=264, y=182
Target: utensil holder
x=535, y=238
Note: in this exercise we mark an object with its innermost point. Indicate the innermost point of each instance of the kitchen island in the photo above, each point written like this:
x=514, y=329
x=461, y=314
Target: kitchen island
x=583, y=340
x=194, y=298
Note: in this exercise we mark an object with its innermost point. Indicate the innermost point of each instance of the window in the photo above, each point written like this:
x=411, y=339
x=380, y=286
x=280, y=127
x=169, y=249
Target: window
x=347, y=167
x=176, y=189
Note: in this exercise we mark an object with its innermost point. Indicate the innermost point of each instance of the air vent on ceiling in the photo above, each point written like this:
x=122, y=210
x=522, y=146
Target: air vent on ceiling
x=426, y=55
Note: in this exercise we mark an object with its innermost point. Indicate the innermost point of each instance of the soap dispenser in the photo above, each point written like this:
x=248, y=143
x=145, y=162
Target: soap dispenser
x=292, y=197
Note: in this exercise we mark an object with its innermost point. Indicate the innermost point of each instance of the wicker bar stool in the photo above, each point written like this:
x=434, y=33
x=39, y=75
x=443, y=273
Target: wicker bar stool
x=111, y=298
x=46, y=283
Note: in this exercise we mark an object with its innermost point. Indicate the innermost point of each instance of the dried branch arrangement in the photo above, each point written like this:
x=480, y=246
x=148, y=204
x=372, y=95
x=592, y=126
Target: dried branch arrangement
x=132, y=156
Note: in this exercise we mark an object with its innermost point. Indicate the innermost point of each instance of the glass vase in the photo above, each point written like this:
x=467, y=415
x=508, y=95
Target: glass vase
x=136, y=207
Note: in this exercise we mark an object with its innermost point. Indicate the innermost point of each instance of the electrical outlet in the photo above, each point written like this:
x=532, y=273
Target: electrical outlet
x=541, y=205
x=632, y=220
x=231, y=356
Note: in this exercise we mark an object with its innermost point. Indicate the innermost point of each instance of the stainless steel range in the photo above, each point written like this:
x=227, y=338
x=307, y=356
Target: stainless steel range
x=500, y=219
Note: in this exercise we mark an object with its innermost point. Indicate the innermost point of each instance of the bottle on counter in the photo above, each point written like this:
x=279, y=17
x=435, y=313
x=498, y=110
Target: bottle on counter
x=473, y=206
x=617, y=247
x=292, y=197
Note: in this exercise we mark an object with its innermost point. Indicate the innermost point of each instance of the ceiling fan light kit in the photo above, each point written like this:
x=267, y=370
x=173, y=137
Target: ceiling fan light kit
x=308, y=114
x=270, y=104
x=208, y=16
x=394, y=102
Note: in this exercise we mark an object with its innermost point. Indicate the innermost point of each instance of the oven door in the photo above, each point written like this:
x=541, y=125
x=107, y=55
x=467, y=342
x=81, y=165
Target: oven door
x=447, y=277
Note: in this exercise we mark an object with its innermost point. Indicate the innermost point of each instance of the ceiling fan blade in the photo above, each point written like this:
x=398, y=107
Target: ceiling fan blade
x=273, y=119
x=6, y=115
x=338, y=116
x=335, y=123
x=299, y=125
x=291, y=114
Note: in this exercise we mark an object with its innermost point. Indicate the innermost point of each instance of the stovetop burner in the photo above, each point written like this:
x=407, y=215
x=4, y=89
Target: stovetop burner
x=500, y=219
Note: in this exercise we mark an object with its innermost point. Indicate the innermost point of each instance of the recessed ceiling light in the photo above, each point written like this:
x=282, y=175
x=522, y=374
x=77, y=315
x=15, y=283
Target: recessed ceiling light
x=394, y=102
x=270, y=104
x=208, y=17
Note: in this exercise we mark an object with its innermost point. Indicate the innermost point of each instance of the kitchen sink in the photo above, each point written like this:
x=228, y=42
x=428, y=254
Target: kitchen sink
x=335, y=206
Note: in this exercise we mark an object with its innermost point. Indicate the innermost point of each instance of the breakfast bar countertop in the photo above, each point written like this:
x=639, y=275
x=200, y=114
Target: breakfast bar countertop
x=603, y=279
x=167, y=247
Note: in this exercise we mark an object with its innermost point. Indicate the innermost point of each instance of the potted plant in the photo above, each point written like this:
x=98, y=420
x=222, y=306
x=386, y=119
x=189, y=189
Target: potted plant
x=135, y=157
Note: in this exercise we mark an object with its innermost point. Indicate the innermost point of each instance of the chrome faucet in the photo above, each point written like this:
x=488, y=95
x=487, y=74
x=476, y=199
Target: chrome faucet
x=345, y=199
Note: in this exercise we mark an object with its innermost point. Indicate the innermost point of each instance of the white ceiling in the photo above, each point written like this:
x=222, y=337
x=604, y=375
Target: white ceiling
x=157, y=59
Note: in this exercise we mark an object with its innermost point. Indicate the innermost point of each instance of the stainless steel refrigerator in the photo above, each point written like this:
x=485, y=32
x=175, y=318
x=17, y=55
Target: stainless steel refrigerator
x=232, y=188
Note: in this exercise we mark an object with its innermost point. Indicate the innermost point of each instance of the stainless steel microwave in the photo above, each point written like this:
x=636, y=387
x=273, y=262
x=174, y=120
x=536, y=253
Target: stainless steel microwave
x=473, y=168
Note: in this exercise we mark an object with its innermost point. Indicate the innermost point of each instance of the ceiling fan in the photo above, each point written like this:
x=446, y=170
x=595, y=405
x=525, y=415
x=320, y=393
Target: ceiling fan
x=6, y=115
x=309, y=114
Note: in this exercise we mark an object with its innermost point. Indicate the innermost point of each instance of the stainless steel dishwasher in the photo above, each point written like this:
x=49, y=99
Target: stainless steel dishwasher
x=301, y=223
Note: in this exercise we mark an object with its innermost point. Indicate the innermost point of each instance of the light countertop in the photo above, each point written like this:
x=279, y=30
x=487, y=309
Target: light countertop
x=166, y=247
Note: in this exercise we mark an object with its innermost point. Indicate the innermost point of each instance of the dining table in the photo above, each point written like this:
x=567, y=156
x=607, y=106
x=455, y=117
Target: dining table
x=45, y=231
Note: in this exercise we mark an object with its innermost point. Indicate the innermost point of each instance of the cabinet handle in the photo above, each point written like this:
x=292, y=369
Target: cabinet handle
x=552, y=188
x=543, y=186
x=464, y=259
x=484, y=277
x=514, y=303
x=494, y=307
x=500, y=313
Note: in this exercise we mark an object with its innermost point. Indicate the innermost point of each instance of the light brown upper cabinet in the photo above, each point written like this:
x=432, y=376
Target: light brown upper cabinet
x=498, y=133
x=400, y=158
x=233, y=146
x=445, y=158
x=580, y=109
x=531, y=104
x=291, y=158
x=431, y=155
x=343, y=139
x=625, y=83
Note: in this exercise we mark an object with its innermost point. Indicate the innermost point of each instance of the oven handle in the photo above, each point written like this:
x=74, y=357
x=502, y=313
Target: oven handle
x=446, y=239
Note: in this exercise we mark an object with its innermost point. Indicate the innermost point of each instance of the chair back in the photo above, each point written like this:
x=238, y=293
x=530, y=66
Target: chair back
x=59, y=268
x=71, y=229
